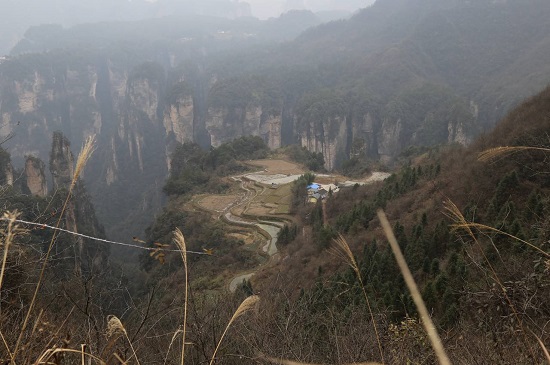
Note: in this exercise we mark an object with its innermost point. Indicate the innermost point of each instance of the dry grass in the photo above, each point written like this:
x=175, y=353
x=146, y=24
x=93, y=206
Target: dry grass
x=278, y=166
x=290, y=362
x=544, y=349
x=216, y=202
x=8, y=238
x=453, y=212
x=48, y=354
x=343, y=250
x=115, y=329
x=83, y=157
x=493, y=153
x=5, y=343
x=245, y=306
x=86, y=152
x=179, y=240
x=415, y=293
x=468, y=226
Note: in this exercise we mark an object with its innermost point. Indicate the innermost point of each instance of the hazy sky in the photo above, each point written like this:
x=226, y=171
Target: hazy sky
x=271, y=8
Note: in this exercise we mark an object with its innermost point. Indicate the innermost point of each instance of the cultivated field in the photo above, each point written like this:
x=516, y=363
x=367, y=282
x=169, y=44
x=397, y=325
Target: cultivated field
x=271, y=201
x=268, y=191
x=216, y=203
x=278, y=167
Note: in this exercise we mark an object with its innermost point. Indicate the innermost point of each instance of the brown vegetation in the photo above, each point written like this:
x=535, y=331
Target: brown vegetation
x=492, y=271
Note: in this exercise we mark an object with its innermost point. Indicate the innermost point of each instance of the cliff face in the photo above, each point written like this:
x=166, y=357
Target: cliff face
x=132, y=110
x=328, y=137
x=62, y=170
x=35, y=177
x=122, y=106
x=227, y=123
x=6, y=169
x=138, y=114
x=178, y=119
x=79, y=210
x=61, y=162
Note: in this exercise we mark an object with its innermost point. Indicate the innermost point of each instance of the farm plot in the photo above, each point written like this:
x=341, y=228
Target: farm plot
x=271, y=201
x=216, y=203
x=278, y=167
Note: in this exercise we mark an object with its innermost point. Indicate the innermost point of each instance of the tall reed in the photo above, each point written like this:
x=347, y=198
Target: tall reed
x=8, y=237
x=245, y=306
x=83, y=157
x=345, y=252
x=415, y=293
x=290, y=362
x=453, y=212
x=115, y=328
x=179, y=240
x=493, y=153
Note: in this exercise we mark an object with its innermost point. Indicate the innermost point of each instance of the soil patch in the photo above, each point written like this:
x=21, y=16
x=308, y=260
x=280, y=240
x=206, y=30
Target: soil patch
x=216, y=202
x=278, y=167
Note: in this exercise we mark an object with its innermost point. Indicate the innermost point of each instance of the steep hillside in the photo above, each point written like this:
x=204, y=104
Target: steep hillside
x=474, y=232
x=482, y=267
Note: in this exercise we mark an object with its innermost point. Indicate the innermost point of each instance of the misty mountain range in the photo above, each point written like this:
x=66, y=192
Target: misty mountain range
x=18, y=16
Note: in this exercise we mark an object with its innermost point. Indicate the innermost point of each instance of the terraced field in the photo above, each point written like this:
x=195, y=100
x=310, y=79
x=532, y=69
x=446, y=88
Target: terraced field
x=259, y=203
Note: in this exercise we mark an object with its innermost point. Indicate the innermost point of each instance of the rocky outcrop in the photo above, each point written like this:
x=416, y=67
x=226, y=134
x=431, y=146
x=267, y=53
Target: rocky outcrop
x=79, y=211
x=179, y=119
x=7, y=174
x=35, y=177
x=328, y=137
x=457, y=134
x=270, y=131
x=62, y=170
x=139, y=115
x=138, y=108
x=389, y=140
x=143, y=97
x=364, y=136
x=227, y=123
x=61, y=162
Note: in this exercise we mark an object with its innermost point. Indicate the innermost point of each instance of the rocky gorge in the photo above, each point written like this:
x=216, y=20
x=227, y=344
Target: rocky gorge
x=139, y=113
x=367, y=97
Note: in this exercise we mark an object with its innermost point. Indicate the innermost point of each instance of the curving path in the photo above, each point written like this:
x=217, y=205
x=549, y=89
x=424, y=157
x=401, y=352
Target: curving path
x=271, y=228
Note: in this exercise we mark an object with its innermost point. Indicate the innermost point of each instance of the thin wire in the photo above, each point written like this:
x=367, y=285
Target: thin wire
x=41, y=225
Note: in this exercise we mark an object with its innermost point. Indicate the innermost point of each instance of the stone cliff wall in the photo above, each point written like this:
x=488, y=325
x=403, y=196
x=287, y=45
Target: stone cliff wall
x=35, y=176
x=143, y=108
x=61, y=162
x=179, y=119
x=329, y=137
x=138, y=115
x=226, y=124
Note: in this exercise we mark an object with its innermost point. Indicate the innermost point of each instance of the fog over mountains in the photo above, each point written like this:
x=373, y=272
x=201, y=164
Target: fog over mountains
x=18, y=16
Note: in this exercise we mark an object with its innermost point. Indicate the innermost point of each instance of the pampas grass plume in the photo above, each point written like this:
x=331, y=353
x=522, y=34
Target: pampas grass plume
x=245, y=306
x=290, y=362
x=116, y=329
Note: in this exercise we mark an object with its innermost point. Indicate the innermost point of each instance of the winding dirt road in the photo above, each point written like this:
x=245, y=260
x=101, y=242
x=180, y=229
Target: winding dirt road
x=272, y=229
